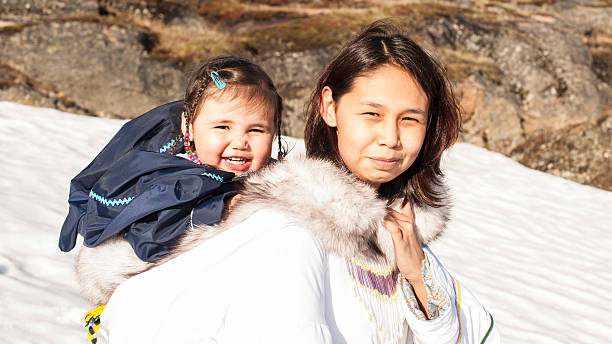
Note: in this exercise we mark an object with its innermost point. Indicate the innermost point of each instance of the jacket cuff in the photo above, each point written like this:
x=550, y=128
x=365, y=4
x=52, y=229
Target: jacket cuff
x=437, y=299
x=442, y=328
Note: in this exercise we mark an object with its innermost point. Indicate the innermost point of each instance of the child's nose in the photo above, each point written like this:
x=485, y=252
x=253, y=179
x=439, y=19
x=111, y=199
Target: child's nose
x=240, y=141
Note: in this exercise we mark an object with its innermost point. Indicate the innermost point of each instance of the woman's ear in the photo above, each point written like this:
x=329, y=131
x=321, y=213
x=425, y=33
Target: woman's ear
x=328, y=111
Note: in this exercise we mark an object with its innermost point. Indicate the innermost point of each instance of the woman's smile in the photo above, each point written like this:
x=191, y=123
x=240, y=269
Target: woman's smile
x=384, y=164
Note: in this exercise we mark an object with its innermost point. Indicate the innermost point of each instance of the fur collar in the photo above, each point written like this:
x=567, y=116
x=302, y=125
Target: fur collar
x=343, y=214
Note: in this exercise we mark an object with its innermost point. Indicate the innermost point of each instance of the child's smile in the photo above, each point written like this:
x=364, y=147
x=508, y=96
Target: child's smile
x=235, y=164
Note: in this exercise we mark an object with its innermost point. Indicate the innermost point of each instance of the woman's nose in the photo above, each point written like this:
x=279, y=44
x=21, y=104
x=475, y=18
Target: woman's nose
x=388, y=134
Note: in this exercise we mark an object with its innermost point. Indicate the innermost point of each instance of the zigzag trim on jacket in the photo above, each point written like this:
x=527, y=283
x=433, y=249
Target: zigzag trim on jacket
x=167, y=146
x=213, y=176
x=111, y=202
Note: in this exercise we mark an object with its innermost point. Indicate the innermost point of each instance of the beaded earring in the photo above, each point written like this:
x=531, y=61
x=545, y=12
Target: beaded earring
x=281, y=152
x=191, y=155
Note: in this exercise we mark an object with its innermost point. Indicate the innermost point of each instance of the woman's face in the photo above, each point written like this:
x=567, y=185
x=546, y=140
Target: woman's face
x=381, y=123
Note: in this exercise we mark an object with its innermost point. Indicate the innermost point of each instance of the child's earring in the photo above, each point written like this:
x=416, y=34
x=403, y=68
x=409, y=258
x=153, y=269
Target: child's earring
x=281, y=152
x=191, y=155
x=184, y=123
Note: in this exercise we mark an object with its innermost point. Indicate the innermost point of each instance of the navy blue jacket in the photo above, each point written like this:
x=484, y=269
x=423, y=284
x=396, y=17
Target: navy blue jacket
x=136, y=188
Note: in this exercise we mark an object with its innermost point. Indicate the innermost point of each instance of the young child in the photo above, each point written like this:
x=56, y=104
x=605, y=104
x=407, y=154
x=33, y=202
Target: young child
x=169, y=169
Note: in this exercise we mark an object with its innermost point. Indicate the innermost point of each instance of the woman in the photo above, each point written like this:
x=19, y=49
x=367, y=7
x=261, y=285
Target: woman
x=311, y=253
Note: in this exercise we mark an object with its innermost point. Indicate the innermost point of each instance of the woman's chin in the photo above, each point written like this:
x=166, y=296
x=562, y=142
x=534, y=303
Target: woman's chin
x=376, y=179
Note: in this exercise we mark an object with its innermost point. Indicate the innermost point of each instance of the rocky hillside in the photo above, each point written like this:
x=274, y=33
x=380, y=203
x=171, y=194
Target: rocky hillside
x=534, y=76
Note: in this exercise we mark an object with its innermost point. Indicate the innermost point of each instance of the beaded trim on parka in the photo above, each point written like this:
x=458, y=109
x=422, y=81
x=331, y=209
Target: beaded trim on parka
x=378, y=289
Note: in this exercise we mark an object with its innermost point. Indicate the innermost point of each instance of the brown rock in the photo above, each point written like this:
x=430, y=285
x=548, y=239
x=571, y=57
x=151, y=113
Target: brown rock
x=295, y=75
x=491, y=119
x=550, y=72
x=102, y=68
x=20, y=11
x=582, y=152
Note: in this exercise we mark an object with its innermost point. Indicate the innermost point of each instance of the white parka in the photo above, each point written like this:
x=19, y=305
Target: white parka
x=277, y=271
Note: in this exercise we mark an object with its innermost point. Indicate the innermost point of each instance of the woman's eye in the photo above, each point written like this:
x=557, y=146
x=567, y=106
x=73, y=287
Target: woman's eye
x=410, y=119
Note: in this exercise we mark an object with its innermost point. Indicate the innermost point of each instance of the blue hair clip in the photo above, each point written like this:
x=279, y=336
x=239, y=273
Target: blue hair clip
x=220, y=83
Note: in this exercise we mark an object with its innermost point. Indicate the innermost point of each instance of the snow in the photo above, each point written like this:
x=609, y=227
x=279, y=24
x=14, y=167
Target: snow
x=533, y=247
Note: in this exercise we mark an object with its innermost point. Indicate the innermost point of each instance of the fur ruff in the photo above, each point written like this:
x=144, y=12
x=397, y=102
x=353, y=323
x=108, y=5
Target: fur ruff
x=343, y=214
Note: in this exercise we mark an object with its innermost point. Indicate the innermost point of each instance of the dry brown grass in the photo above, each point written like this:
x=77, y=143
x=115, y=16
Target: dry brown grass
x=185, y=46
x=242, y=27
x=236, y=27
x=462, y=63
x=307, y=33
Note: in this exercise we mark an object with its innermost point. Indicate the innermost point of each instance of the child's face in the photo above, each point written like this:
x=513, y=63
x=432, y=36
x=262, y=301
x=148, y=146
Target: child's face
x=233, y=135
x=381, y=123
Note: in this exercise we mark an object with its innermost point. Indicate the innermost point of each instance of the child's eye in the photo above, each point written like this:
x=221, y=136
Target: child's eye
x=373, y=114
x=256, y=131
x=222, y=127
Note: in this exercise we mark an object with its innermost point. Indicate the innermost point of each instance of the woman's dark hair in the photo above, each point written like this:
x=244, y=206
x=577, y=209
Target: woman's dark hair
x=380, y=44
x=242, y=77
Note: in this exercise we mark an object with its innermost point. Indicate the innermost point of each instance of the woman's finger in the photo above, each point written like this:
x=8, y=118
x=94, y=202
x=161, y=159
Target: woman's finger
x=402, y=218
x=407, y=210
x=393, y=227
x=405, y=220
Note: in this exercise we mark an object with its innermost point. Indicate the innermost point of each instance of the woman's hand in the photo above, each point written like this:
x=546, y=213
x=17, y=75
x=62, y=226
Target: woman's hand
x=408, y=251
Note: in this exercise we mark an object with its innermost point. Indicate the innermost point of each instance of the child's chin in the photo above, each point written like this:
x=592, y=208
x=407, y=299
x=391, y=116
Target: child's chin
x=238, y=170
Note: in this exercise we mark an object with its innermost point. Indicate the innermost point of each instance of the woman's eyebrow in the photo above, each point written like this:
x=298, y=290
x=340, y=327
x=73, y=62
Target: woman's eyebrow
x=408, y=110
x=416, y=111
x=373, y=104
